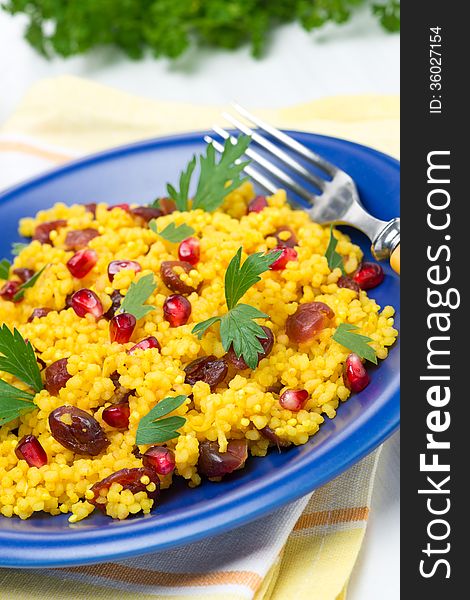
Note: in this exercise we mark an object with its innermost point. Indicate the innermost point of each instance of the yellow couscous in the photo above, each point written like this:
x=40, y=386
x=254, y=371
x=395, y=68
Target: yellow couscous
x=244, y=406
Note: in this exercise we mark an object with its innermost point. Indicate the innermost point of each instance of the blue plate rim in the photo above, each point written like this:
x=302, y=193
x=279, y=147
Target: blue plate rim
x=331, y=464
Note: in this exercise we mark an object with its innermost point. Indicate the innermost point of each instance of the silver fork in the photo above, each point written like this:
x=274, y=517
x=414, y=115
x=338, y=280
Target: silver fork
x=337, y=199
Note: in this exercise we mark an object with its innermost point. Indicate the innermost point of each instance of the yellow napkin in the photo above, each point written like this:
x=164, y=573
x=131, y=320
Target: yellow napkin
x=305, y=551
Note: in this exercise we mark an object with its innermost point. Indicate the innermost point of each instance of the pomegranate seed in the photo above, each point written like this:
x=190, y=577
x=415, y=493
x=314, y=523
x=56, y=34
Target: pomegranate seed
x=147, y=213
x=30, y=450
x=177, y=310
x=86, y=302
x=82, y=262
x=121, y=328
x=189, y=250
x=42, y=231
x=116, y=299
x=369, y=275
x=347, y=282
x=257, y=204
x=267, y=343
x=122, y=265
x=79, y=431
x=124, y=206
x=145, y=344
x=23, y=274
x=9, y=289
x=91, y=207
x=80, y=238
x=354, y=374
x=308, y=320
x=291, y=240
x=287, y=254
x=117, y=415
x=160, y=459
x=293, y=400
x=56, y=376
x=39, y=313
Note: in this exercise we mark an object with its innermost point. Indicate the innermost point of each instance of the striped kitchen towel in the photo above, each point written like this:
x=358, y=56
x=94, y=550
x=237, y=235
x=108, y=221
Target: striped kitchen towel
x=305, y=551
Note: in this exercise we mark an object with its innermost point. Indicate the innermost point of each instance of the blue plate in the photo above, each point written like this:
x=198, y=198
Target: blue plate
x=138, y=173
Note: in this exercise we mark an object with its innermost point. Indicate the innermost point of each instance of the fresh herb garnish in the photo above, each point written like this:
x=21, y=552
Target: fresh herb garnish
x=18, y=247
x=172, y=233
x=213, y=177
x=355, y=342
x=13, y=402
x=27, y=284
x=181, y=197
x=334, y=259
x=153, y=429
x=4, y=268
x=17, y=357
x=137, y=294
x=237, y=326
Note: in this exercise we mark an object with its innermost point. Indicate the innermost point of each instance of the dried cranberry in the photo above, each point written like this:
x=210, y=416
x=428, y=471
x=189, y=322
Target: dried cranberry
x=29, y=449
x=116, y=299
x=172, y=280
x=267, y=343
x=354, y=374
x=39, y=313
x=42, y=231
x=23, y=274
x=145, y=344
x=189, y=250
x=82, y=262
x=86, y=302
x=270, y=435
x=122, y=265
x=121, y=327
x=293, y=400
x=160, y=459
x=308, y=320
x=80, y=238
x=257, y=204
x=91, y=207
x=130, y=479
x=147, y=213
x=209, y=369
x=214, y=463
x=276, y=388
x=291, y=240
x=287, y=254
x=56, y=376
x=9, y=290
x=77, y=430
x=115, y=378
x=117, y=415
x=124, y=206
x=369, y=275
x=177, y=310
x=167, y=205
x=348, y=282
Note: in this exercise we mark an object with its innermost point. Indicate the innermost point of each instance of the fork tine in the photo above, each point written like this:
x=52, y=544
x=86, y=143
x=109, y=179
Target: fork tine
x=278, y=174
x=276, y=151
x=249, y=170
x=314, y=158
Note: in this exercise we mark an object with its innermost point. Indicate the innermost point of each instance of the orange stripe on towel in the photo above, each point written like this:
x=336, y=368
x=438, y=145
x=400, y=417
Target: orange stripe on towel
x=25, y=148
x=331, y=517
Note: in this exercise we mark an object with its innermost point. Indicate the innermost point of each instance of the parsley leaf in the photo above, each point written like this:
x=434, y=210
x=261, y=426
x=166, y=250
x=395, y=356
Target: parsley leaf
x=17, y=357
x=27, y=284
x=211, y=188
x=238, y=327
x=172, y=233
x=13, y=402
x=238, y=280
x=334, y=259
x=181, y=198
x=18, y=247
x=4, y=268
x=153, y=429
x=355, y=342
x=137, y=295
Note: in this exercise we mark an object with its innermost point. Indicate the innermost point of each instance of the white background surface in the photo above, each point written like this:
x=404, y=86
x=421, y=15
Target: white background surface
x=357, y=58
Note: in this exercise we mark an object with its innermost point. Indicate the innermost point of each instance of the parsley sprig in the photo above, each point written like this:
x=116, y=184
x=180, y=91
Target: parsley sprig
x=238, y=326
x=17, y=358
x=346, y=336
x=172, y=233
x=137, y=294
x=153, y=429
x=334, y=259
x=4, y=268
x=213, y=176
x=18, y=247
x=27, y=284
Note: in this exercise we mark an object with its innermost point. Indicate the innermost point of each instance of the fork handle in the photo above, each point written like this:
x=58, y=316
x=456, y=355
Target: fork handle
x=395, y=260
